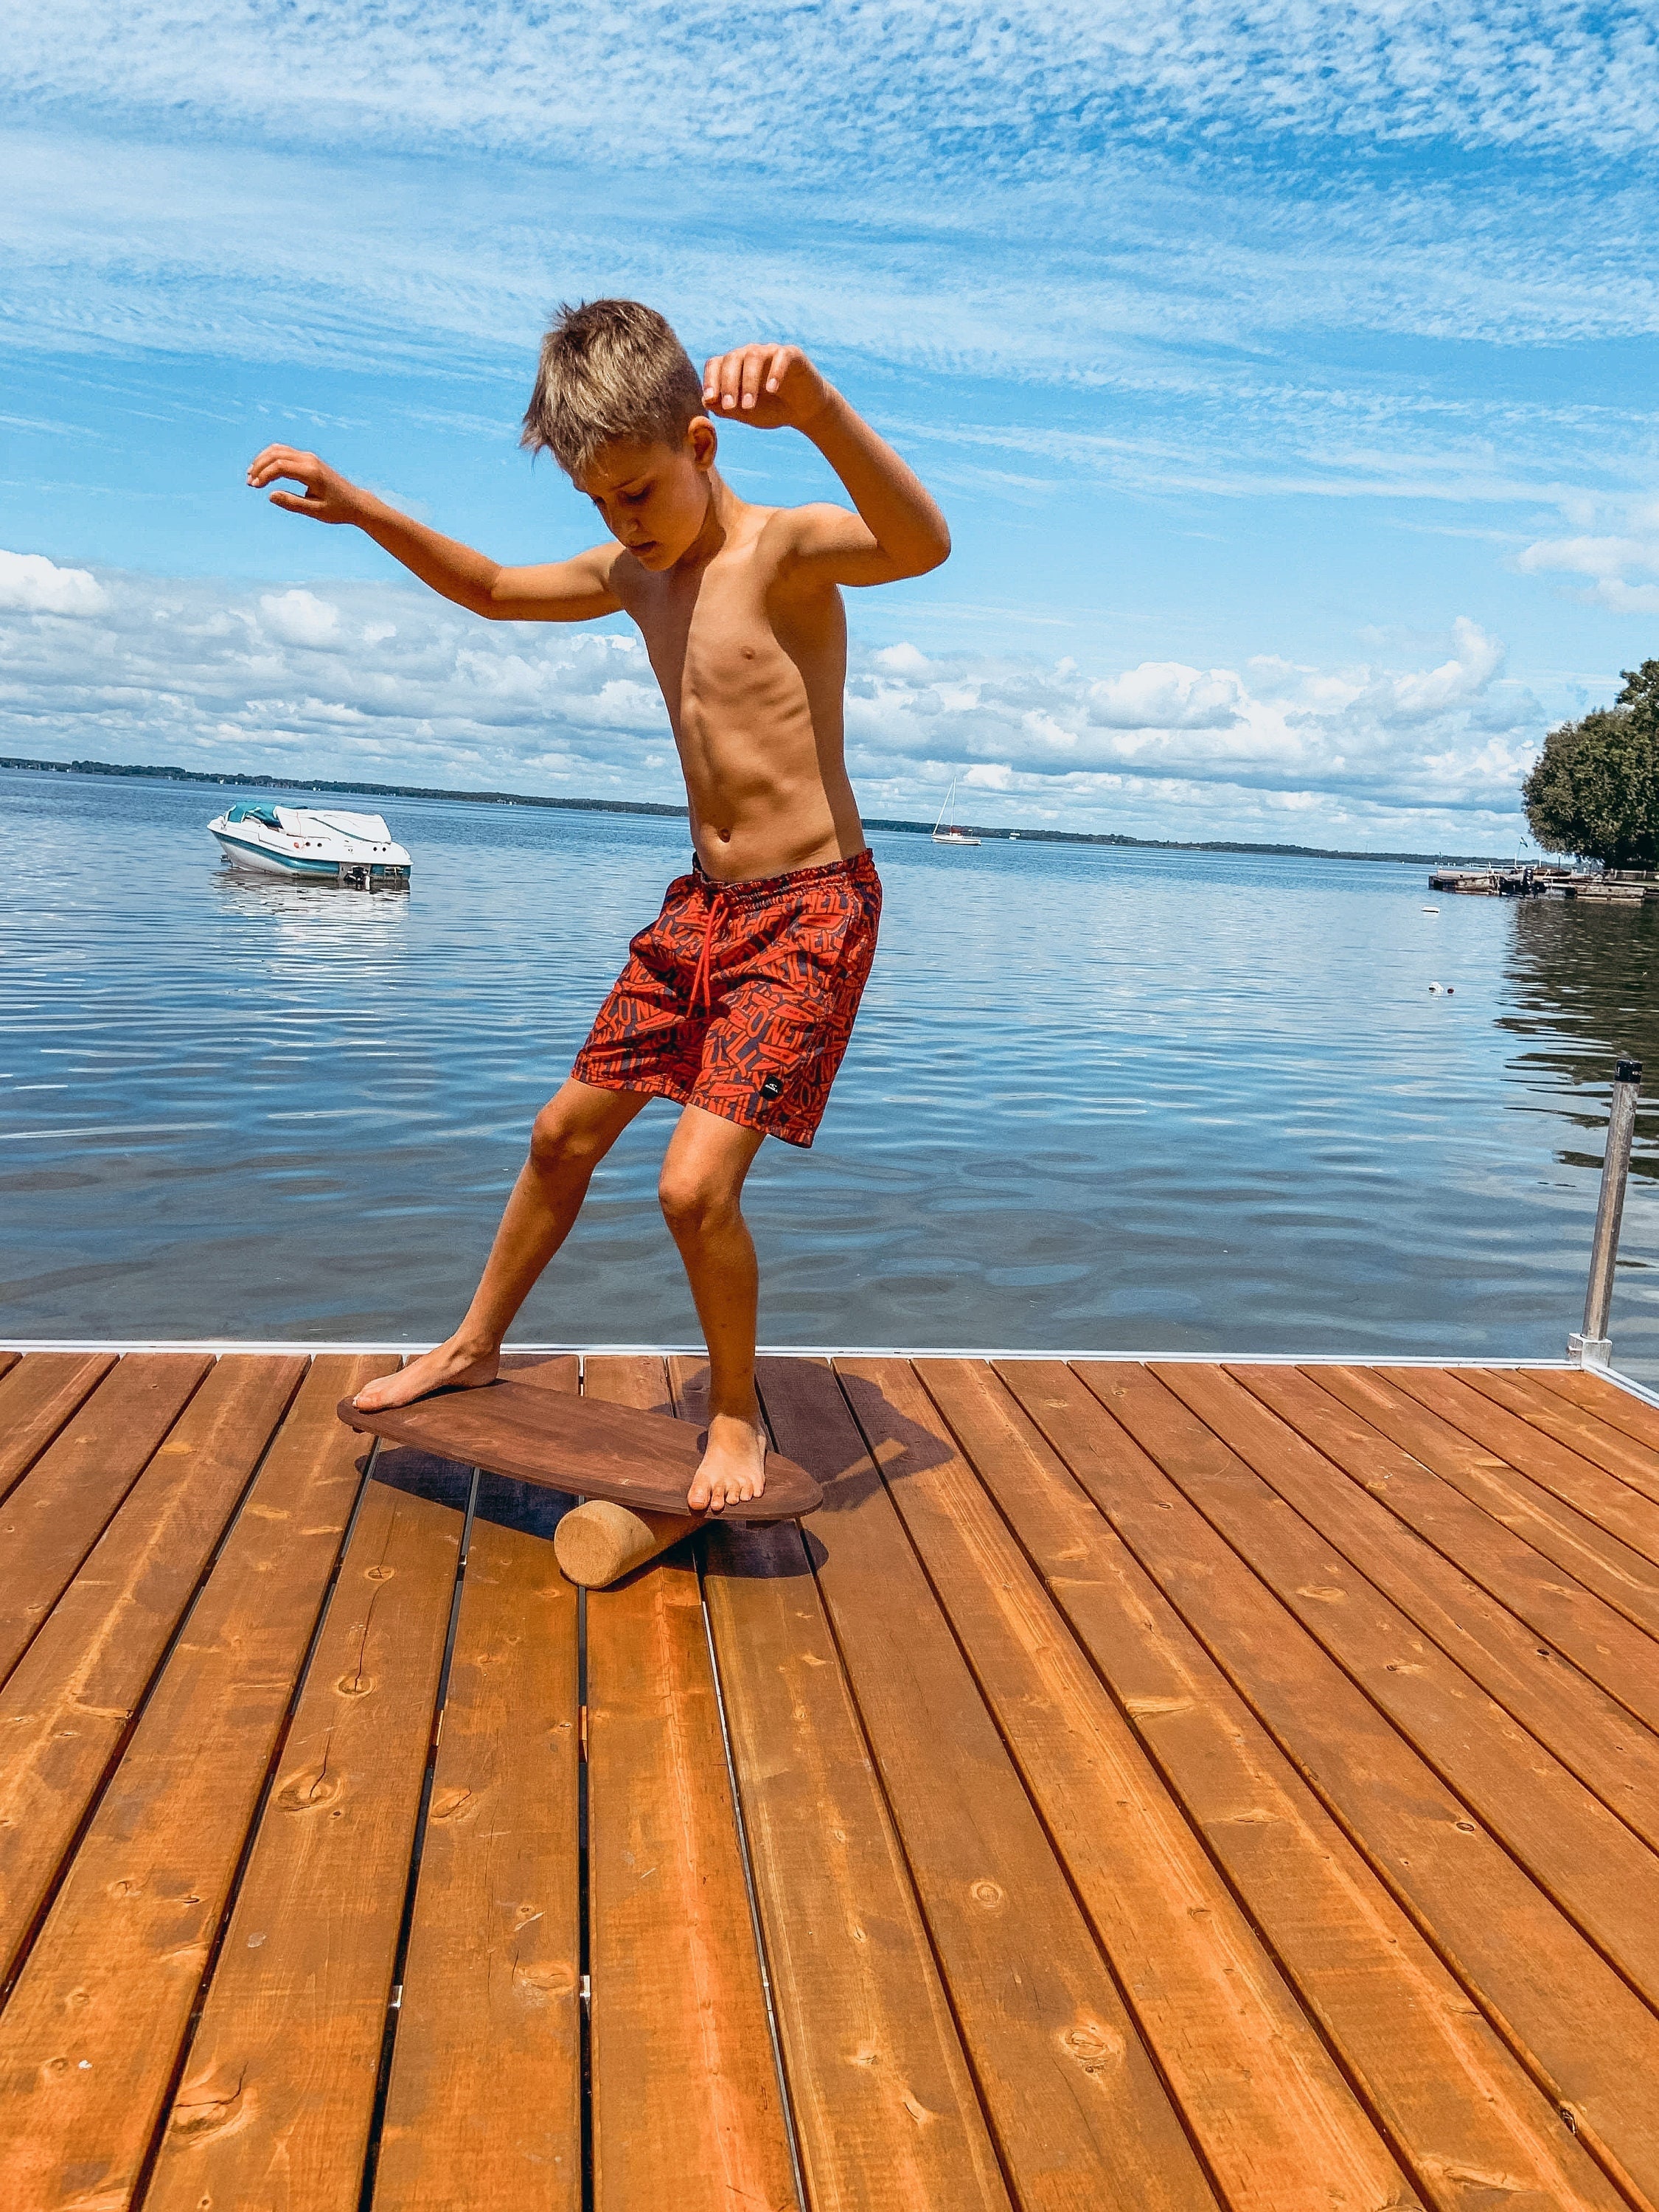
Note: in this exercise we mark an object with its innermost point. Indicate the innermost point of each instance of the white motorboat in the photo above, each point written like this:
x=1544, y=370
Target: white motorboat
x=319, y=844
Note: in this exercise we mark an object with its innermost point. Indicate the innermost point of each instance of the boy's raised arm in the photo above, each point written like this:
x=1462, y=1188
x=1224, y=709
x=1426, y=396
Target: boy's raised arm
x=578, y=590
x=898, y=530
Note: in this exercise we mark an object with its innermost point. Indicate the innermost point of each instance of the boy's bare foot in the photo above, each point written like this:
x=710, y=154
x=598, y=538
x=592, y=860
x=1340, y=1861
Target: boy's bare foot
x=446, y=1367
x=733, y=1464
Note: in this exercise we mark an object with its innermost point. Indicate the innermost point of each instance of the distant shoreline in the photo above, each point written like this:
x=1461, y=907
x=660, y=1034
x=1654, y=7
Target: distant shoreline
x=162, y=775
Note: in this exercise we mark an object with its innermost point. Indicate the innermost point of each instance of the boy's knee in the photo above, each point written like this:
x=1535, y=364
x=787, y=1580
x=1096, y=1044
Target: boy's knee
x=692, y=1204
x=553, y=1143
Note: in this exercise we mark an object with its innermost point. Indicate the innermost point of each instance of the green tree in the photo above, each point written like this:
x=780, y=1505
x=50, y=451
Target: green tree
x=1593, y=790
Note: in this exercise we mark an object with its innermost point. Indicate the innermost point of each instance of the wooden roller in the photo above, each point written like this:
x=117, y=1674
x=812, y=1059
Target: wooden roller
x=599, y=1543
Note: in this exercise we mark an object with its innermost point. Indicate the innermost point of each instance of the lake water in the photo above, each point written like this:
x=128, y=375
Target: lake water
x=1097, y=1099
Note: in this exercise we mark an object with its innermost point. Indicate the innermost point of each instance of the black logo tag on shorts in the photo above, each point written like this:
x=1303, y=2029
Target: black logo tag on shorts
x=773, y=1087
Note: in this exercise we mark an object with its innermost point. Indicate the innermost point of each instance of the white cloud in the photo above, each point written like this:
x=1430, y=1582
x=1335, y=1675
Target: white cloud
x=1134, y=272
x=1419, y=695
x=369, y=680
x=32, y=585
x=1614, y=565
x=946, y=83
x=1165, y=695
x=301, y=618
x=1445, y=738
x=1063, y=192
x=902, y=659
x=1172, y=336
x=379, y=683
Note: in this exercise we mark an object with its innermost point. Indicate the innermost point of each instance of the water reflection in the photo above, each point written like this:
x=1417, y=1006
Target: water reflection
x=244, y=890
x=1583, y=989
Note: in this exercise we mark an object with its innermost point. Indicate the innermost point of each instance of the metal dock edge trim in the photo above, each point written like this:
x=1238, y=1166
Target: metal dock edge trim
x=1237, y=1357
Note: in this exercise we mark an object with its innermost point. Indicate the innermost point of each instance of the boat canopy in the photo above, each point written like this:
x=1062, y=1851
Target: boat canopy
x=254, y=812
x=306, y=821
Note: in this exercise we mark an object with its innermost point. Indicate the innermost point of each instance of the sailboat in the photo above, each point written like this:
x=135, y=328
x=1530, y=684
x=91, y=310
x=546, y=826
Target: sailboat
x=946, y=833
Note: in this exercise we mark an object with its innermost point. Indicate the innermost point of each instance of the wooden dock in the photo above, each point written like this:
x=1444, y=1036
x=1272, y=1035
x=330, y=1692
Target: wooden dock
x=1156, y=1786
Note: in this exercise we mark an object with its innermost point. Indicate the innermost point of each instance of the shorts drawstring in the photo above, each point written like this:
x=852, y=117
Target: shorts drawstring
x=700, y=988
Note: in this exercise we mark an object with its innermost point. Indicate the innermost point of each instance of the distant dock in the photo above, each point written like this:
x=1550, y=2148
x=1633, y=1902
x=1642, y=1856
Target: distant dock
x=1144, y=1783
x=1610, y=887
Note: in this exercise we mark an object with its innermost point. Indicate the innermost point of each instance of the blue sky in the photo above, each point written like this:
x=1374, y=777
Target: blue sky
x=1286, y=373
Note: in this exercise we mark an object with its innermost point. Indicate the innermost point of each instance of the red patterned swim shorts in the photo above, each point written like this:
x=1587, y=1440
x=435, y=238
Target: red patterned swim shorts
x=739, y=998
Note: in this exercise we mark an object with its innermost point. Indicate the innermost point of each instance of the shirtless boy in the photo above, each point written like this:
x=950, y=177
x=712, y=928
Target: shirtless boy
x=738, y=1001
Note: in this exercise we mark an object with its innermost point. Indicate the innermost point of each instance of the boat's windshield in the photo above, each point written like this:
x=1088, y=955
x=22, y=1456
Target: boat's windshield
x=265, y=814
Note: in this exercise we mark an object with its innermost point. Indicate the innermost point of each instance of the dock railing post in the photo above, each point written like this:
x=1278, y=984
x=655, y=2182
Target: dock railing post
x=1593, y=1347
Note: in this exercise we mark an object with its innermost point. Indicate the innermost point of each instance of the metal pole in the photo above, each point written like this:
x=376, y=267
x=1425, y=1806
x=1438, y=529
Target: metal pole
x=1594, y=1348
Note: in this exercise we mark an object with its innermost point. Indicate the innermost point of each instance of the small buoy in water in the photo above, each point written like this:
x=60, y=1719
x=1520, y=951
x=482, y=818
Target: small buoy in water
x=1430, y=909
x=1451, y=988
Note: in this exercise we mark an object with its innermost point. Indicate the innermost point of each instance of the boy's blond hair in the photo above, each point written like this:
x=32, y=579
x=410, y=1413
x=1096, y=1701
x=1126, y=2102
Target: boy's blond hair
x=610, y=369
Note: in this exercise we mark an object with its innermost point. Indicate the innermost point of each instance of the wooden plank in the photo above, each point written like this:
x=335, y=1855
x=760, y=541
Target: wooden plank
x=43, y=1392
x=883, y=2103
x=1580, y=2028
x=1444, y=2087
x=484, y=2108
x=1617, y=1575
x=115, y=1971
x=1620, y=1409
x=58, y=1512
x=1278, y=2126
x=9, y=1359
x=1601, y=1643
x=685, y=2101
x=1076, y=2106
x=68, y=1704
x=1600, y=1498
x=1588, y=1731
x=278, y=2093
x=556, y=1371
x=1581, y=1432
x=1579, y=1853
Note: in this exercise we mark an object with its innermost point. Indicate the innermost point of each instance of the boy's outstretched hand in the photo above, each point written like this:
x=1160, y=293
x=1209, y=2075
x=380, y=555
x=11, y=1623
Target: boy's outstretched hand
x=770, y=387
x=328, y=496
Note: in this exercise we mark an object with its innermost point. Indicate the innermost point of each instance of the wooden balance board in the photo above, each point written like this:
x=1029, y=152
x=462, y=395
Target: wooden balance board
x=592, y=1450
